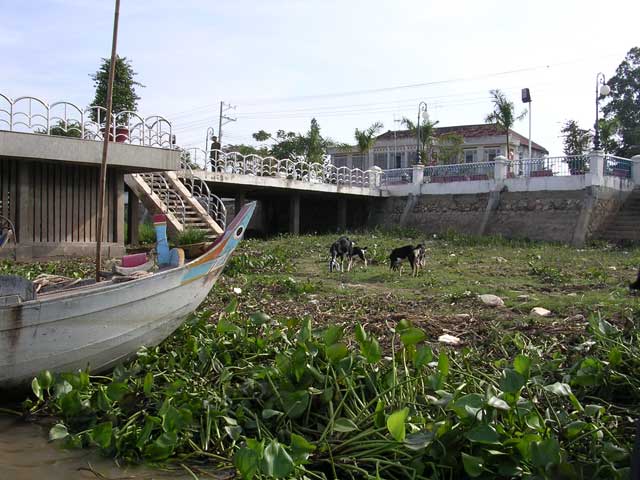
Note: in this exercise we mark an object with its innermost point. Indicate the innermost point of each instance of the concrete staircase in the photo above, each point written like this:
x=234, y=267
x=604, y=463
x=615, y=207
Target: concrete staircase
x=625, y=224
x=184, y=205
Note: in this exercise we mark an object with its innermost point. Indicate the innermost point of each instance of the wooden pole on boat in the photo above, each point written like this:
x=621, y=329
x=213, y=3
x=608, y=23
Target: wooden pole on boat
x=105, y=145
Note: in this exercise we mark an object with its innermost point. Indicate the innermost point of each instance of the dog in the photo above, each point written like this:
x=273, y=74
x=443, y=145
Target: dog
x=357, y=253
x=635, y=285
x=415, y=256
x=341, y=248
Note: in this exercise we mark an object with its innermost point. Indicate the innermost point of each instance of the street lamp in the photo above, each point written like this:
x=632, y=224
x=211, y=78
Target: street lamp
x=422, y=107
x=602, y=90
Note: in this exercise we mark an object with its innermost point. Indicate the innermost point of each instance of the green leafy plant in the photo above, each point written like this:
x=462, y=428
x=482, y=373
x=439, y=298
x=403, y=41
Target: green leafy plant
x=190, y=236
x=146, y=233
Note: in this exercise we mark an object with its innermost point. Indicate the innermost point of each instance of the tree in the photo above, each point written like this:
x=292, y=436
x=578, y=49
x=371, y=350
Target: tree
x=577, y=142
x=247, y=150
x=450, y=147
x=624, y=104
x=124, y=96
x=316, y=146
x=366, y=139
x=312, y=146
x=427, y=135
x=503, y=114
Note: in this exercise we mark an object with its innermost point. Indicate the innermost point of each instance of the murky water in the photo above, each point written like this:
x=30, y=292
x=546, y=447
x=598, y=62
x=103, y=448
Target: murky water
x=26, y=454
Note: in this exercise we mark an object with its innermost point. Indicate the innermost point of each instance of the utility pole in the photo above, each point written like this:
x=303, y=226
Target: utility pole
x=223, y=119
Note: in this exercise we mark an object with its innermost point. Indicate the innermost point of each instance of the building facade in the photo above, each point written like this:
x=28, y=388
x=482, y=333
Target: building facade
x=398, y=149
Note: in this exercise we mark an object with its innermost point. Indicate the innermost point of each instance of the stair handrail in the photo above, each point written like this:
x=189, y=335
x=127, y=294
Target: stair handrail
x=165, y=194
x=212, y=203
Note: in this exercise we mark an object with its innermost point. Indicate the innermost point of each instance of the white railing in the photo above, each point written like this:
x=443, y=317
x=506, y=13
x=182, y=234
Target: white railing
x=169, y=198
x=617, y=166
x=190, y=159
x=218, y=161
x=34, y=115
x=459, y=172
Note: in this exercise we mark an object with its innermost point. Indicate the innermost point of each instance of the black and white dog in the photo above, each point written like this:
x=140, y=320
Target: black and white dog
x=341, y=248
x=415, y=256
x=357, y=253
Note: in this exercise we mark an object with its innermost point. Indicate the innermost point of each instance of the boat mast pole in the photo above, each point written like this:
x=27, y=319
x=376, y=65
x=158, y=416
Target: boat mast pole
x=105, y=145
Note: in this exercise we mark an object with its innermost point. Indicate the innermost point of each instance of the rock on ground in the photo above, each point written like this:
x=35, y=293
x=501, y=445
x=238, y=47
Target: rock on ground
x=491, y=300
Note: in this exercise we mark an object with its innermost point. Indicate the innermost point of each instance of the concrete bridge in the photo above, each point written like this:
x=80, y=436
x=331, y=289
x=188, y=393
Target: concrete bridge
x=567, y=199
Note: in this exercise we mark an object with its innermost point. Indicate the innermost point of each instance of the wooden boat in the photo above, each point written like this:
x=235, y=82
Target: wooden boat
x=94, y=327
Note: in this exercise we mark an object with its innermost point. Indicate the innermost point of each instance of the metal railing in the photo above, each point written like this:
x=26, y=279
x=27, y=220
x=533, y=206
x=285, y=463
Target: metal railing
x=169, y=198
x=199, y=188
x=34, y=115
x=617, y=166
x=459, y=172
x=397, y=176
x=218, y=161
x=550, y=166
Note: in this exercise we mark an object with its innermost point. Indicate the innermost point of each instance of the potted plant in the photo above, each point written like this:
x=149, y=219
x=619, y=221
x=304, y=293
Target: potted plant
x=193, y=241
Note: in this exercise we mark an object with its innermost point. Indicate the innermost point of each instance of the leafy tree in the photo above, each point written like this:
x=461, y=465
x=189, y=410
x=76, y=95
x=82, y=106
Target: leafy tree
x=577, y=142
x=71, y=129
x=609, y=139
x=624, y=105
x=503, y=113
x=427, y=136
x=248, y=149
x=366, y=139
x=311, y=146
x=124, y=96
x=450, y=147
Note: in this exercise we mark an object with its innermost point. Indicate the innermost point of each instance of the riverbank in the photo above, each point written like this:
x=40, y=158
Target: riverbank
x=289, y=367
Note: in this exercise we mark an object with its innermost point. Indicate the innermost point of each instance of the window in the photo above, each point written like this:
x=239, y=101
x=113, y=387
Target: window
x=470, y=156
x=357, y=161
x=380, y=160
x=340, y=160
x=413, y=155
x=397, y=163
x=490, y=154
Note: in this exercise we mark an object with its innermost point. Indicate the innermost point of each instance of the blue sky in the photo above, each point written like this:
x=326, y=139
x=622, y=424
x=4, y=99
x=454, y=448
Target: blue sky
x=283, y=62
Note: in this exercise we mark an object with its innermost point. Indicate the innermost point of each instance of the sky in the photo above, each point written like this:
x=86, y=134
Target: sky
x=347, y=63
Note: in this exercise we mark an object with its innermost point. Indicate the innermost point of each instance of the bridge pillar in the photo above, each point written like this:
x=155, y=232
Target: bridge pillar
x=294, y=214
x=134, y=218
x=342, y=214
x=240, y=200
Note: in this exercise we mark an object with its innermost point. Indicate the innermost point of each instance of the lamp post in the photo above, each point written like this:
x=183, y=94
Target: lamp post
x=422, y=107
x=602, y=90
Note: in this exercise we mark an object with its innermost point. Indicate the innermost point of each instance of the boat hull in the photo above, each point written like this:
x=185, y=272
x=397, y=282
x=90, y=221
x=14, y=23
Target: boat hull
x=96, y=327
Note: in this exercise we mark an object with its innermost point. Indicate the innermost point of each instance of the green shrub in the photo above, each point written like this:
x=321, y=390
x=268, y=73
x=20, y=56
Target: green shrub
x=146, y=233
x=190, y=236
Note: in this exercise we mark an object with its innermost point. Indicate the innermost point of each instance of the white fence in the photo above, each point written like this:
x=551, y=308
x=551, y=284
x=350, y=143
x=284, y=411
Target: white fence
x=34, y=115
x=459, y=172
x=217, y=161
x=617, y=166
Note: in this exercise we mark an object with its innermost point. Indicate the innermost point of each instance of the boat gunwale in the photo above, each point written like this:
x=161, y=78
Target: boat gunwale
x=98, y=288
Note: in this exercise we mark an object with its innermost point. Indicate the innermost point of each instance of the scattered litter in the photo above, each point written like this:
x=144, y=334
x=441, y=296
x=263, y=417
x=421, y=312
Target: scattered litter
x=500, y=259
x=541, y=312
x=575, y=318
x=237, y=290
x=491, y=300
x=463, y=316
x=524, y=298
x=612, y=268
x=449, y=339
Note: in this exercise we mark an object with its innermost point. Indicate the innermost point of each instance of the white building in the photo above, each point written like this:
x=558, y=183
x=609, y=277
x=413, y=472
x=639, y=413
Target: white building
x=398, y=149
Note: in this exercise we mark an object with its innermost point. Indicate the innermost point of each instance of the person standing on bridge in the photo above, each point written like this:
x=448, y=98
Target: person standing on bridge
x=214, y=152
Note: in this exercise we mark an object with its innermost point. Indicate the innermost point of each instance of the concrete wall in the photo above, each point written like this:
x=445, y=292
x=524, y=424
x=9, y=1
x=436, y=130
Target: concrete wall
x=564, y=216
x=132, y=158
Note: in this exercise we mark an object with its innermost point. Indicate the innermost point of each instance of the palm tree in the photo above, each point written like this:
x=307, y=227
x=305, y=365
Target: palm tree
x=366, y=139
x=427, y=135
x=503, y=113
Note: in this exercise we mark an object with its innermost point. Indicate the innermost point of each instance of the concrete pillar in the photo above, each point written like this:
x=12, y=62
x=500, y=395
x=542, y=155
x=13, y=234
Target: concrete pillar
x=134, y=218
x=240, y=200
x=119, y=214
x=500, y=168
x=294, y=214
x=596, y=167
x=635, y=169
x=25, y=204
x=418, y=174
x=342, y=214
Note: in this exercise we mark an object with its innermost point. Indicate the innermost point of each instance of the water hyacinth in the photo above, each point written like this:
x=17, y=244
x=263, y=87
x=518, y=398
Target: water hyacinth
x=280, y=399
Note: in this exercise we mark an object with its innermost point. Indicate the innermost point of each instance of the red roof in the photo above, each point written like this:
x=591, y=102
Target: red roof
x=467, y=131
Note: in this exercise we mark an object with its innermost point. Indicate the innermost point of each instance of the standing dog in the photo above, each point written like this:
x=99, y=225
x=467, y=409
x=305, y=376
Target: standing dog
x=415, y=256
x=357, y=252
x=341, y=248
